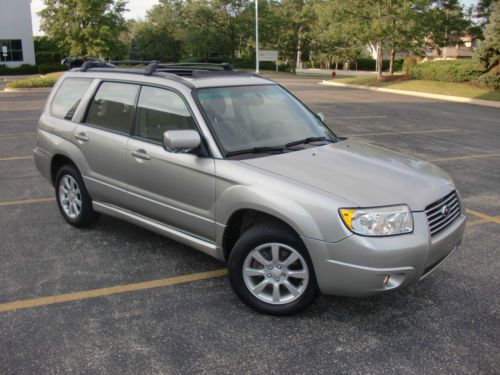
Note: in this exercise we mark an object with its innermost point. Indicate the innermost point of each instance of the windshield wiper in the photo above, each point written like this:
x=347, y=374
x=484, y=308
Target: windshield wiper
x=257, y=150
x=308, y=140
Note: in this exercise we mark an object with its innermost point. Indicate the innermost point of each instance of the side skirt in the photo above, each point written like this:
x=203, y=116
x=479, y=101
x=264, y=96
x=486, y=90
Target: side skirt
x=160, y=228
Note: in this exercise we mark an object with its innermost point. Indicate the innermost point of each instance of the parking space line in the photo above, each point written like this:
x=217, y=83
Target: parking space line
x=488, y=218
x=16, y=158
x=478, y=156
x=18, y=119
x=60, y=298
x=26, y=201
x=404, y=132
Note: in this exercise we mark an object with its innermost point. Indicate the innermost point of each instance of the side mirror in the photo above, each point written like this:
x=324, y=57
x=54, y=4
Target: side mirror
x=181, y=140
x=321, y=116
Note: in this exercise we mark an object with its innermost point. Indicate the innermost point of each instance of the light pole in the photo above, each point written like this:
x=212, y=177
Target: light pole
x=256, y=36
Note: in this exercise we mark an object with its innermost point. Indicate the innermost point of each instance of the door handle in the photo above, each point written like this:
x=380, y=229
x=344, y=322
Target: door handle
x=141, y=154
x=82, y=137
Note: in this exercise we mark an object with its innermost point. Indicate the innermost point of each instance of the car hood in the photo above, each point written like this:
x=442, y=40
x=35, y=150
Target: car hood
x=362, y=173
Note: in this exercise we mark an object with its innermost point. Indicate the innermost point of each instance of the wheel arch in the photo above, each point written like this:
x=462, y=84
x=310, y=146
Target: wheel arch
x=243, y=219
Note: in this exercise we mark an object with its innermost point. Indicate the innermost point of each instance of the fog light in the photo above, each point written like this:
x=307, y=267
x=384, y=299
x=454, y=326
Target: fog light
x=386, y=279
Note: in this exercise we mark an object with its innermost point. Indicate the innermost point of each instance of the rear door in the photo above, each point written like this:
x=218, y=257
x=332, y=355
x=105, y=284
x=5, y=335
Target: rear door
x=177, y=189
x=102, y=138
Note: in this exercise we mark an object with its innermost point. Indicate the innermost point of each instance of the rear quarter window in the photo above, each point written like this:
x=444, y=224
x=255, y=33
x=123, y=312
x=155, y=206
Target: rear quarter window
x=68, y=97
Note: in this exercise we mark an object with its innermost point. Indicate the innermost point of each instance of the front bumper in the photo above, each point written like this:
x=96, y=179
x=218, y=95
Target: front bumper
x=357, y=265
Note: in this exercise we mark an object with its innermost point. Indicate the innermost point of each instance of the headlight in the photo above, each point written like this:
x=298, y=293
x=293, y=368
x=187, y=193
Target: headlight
x=379, y=221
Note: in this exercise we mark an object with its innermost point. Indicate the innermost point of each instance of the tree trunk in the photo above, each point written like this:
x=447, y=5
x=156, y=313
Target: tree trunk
x=379, y=61
x=391, y=63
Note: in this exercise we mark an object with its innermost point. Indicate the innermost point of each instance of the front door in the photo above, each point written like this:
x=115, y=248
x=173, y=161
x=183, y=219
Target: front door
x=177, y=189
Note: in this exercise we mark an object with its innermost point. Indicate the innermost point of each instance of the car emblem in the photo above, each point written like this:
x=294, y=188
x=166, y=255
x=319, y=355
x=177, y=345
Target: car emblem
x=445, y=211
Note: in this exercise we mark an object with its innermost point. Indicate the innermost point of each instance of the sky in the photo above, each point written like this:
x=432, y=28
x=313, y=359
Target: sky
x=137, y=10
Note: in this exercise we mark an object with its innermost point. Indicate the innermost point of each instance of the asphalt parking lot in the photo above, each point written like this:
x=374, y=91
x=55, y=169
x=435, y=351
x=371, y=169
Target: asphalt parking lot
x=110, y=299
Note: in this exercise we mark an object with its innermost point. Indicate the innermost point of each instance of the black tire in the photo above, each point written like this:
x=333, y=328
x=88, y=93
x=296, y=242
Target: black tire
x=86, y=215
x=254, y=237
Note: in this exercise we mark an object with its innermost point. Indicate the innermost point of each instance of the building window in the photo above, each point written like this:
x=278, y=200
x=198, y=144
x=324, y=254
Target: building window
x=11, y=50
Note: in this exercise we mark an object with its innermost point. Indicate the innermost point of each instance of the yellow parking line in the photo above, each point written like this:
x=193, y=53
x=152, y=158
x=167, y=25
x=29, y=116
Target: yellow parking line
x=489, y=218
x=16, y=158
x=27, y=201
x=478, y=156
x=5, y=135
x=176, y=280
x=18, y=119
x=402, y=132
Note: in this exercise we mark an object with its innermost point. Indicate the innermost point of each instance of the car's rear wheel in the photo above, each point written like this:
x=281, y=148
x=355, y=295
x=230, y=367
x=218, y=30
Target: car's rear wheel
x=73, y=200
x=270, y=270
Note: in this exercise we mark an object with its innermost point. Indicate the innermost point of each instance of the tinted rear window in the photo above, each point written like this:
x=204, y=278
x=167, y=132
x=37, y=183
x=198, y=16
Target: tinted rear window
x=113, y=106
x=68, y=97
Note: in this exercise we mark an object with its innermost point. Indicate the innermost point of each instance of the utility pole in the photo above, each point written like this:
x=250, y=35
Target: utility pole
x=257, y=36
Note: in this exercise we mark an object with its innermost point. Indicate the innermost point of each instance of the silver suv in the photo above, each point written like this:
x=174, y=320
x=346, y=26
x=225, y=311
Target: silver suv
x=234, y=165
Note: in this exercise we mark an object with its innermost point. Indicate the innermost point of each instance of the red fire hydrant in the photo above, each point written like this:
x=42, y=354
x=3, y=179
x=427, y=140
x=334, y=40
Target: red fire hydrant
x=334, y=74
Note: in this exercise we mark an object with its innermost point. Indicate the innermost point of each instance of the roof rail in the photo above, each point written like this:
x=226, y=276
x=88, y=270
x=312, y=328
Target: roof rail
x=186, y=67
x=135, y=62
x=170, y=76
x=95, y=63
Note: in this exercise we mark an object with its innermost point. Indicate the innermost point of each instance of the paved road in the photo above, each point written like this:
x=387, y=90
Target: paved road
x=448, y=323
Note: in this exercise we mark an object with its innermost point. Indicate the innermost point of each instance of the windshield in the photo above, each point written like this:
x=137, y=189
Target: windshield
x=249, y=117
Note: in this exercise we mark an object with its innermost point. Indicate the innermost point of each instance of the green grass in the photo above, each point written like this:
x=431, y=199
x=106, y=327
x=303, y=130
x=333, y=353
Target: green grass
x=465, y=89
x=48, y=80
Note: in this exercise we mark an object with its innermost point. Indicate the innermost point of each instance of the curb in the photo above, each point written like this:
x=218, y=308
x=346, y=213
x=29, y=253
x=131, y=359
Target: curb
x=449, y=98
x=28, y=89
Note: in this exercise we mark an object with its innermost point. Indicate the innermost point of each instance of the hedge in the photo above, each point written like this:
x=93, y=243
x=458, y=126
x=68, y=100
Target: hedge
x=371, y=65
x=489, y=80
x=31, y=69
x=447, y=71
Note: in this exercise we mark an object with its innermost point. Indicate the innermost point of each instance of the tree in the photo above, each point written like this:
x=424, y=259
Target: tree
x=87, y=28
x=488, y=52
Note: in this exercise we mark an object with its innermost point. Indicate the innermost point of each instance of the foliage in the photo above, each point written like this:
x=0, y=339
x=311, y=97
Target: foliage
x=489, y=80
x=447, y=71
x=20, y=70
x=408, y=63
x=47, y=51
x=46, y=81
x=369, y=64
x=488, y=52
x=86, y=28
x=31, y=69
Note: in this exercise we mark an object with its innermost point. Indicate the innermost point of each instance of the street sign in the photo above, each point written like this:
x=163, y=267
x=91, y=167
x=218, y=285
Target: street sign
x=268, y=55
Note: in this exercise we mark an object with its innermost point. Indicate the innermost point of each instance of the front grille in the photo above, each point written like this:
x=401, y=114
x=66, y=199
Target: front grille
x=443, y=212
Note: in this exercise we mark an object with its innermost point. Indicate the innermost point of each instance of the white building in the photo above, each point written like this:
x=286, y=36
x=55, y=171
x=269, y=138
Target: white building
x=16, y=33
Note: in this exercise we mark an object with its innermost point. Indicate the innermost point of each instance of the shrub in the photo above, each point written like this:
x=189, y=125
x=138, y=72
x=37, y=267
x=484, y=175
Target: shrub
x=20, y=70
x=32, y=69
x=408, y=63
x=371, y=64
x=489, y=80
x=447, y=71
x=51, y=68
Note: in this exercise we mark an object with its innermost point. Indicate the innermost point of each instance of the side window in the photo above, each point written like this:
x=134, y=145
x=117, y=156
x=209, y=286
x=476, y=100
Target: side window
x=68, y=97
x=160, y=110
x=113, y=106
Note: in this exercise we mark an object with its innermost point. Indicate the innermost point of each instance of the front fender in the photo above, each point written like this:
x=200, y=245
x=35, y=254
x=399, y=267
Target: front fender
x=311, y=213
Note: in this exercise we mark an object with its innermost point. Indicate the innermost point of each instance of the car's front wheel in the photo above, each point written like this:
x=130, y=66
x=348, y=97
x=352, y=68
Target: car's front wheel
x=270, y=270
x=73, y=200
